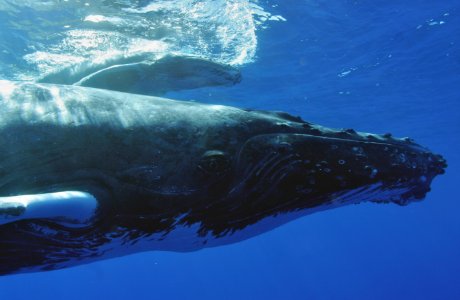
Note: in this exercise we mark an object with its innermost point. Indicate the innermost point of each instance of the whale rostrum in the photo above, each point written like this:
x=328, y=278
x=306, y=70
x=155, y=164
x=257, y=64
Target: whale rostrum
x=88, y=174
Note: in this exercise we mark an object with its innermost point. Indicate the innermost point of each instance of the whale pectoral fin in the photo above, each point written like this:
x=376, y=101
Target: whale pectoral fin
x=70, y=208
x=171, y=73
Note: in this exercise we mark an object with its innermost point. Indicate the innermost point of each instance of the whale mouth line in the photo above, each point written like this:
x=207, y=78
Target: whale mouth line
x=365, y=194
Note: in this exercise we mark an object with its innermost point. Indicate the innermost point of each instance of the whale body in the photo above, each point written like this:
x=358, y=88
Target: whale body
x=89, y=174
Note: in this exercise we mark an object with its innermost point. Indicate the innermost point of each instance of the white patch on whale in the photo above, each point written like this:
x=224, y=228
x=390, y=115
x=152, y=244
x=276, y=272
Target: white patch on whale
x=72, y=208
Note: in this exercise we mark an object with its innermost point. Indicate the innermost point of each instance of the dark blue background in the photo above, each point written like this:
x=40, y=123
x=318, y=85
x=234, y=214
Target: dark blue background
x=404, y=78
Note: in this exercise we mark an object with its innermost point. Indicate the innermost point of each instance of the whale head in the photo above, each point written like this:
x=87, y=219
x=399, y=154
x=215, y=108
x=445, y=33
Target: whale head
x=288, y=166
x=267, y=164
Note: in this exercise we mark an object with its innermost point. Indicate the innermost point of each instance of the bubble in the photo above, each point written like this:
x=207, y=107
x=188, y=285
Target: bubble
x=374, y=173
x=342, y=162
x=358, y=150
x=402, y=157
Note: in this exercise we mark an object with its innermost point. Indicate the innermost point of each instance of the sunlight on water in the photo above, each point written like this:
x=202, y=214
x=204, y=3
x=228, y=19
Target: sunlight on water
x=81, y=34
x=6, y=89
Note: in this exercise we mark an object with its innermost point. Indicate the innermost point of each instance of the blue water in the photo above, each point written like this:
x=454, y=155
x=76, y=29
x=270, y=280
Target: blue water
x=376, y=66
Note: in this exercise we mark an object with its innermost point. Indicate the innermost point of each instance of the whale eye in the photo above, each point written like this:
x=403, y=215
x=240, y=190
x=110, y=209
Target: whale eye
x=214, y=161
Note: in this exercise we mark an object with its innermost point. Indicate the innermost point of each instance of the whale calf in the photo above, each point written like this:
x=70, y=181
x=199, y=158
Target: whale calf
x=110, y=173
x=140, y=74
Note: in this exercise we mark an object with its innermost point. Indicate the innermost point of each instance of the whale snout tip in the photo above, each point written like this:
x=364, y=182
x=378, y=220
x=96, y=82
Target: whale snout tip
x=441, y=164
x=418, y=181
x=436, y=165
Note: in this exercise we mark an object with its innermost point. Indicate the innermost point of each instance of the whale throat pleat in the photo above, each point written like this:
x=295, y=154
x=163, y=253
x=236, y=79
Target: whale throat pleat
x=70, y=208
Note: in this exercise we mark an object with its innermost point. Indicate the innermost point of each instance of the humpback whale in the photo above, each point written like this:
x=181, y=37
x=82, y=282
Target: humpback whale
x=88, y=174
x=141, y=74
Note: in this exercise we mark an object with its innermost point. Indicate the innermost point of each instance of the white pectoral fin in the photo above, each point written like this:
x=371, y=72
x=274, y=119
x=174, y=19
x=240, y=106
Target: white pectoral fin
x=71, y=208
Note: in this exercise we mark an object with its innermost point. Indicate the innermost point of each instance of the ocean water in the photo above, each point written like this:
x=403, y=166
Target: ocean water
x=376, y=66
